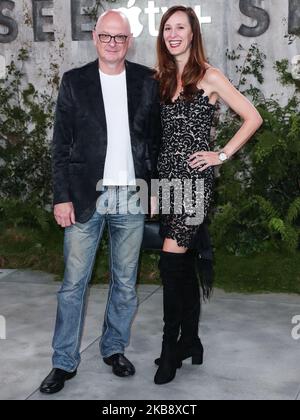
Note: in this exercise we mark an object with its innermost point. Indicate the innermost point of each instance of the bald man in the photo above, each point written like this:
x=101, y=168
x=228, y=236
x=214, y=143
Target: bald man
x=106, y=133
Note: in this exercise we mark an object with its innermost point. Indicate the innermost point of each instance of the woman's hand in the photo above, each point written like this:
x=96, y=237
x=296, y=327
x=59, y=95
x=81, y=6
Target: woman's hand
x=204, y=160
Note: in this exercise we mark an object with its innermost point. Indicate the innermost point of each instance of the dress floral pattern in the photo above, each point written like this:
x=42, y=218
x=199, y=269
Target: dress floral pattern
x=186, y=130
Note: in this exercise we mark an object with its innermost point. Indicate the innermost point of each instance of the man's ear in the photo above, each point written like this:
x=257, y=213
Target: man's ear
x=131, y=41
x=94, y=35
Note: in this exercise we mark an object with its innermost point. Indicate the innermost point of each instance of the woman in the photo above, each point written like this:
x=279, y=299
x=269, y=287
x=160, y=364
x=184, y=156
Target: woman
x=189, y=89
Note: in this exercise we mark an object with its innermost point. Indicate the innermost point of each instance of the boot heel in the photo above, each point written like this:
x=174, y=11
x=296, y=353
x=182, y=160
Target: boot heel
x=179, y=365
x=197, y=359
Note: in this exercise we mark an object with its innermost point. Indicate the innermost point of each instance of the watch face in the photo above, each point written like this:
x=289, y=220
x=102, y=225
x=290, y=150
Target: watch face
x=222, y=157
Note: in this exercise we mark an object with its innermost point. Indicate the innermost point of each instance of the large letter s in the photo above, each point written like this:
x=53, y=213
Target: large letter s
x=254, y=12
x=8, y=22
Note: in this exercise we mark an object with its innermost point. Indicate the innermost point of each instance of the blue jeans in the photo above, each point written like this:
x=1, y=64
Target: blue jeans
x=80, y=247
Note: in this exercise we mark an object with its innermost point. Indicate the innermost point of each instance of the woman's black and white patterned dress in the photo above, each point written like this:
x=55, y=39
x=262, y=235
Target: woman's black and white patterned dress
x=186, y=130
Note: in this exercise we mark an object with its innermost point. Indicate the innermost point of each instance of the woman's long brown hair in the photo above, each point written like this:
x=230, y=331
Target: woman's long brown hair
x=167, y=68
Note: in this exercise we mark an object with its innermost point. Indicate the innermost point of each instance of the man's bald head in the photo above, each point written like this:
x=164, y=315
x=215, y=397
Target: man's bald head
x=111, y=52
x=113, y=19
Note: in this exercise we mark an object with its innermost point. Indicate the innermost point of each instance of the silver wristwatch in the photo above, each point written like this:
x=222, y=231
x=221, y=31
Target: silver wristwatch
x=223, y=157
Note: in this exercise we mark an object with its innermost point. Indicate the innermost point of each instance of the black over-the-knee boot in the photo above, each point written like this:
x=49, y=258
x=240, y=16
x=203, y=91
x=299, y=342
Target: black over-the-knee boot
x=189, y=344
x=171, y=266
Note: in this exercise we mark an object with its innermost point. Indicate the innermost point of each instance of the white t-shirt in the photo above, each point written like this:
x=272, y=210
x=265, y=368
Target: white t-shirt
x=119, y=166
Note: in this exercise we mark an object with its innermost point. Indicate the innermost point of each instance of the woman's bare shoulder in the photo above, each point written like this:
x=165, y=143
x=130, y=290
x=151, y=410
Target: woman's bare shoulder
x=212, y=74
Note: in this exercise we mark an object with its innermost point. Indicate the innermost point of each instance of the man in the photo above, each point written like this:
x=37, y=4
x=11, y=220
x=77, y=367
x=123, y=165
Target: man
x=106, y=129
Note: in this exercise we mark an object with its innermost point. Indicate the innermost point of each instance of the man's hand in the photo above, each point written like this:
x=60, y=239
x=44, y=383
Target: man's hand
x=64, y=214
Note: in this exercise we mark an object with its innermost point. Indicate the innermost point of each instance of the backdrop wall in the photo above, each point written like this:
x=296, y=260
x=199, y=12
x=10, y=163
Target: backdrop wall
x=59, y=32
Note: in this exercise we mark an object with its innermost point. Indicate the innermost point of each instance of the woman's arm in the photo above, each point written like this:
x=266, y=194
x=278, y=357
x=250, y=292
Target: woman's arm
x=220, y=85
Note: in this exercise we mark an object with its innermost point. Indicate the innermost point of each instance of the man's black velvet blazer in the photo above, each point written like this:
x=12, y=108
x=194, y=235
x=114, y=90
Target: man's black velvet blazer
x=80, y=134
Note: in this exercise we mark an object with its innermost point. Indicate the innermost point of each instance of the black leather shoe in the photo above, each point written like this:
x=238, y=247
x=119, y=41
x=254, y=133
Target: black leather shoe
x=120, y=365
x=55, y=381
